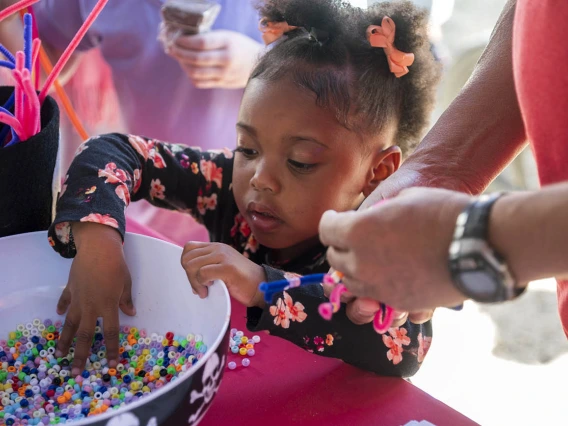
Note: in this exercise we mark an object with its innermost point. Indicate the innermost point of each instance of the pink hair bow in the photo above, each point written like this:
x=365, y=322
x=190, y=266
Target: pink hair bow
x=272, y=31
x=383, y=36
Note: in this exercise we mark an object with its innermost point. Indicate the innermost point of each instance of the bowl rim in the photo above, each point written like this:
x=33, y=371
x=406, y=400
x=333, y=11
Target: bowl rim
x=170, y=386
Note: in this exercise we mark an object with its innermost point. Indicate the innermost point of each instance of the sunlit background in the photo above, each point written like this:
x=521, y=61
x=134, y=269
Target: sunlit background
x=499, y=365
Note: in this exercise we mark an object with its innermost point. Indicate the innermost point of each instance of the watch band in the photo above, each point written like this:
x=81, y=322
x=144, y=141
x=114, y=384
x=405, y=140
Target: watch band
x=470, y=247
x=477, y=225
x=474, y=221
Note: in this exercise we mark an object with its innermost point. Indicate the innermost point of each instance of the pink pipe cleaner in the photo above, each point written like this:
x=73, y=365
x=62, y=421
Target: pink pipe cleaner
x=35, y=55
x=326, y=310
x=18, y=91
x=26, y=112
x=383, y=320
x=16, y=8
x=36, y=106
x=26, y=121
x=13, y=123
x=71, y=48
x=33, y=105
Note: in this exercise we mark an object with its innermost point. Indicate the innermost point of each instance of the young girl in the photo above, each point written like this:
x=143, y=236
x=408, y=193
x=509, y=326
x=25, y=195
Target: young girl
x=327, y=115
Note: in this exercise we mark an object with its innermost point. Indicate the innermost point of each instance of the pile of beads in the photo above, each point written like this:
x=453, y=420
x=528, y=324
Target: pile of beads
x=242, y=345
x=36, y=388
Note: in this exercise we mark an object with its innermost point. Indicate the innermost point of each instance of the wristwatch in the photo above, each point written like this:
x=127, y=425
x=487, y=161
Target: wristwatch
x=477, y=270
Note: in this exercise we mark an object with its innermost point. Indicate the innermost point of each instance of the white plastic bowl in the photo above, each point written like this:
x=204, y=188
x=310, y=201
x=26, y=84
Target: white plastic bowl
x=32, y=277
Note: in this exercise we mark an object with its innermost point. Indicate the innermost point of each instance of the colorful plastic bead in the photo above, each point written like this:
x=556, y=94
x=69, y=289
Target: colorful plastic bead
x=36, y=386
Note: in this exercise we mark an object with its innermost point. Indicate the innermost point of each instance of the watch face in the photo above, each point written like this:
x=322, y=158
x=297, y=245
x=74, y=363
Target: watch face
x=479, y=284
x=475, y=277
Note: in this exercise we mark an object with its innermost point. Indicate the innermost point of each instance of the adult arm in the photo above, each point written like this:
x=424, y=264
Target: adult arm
x=406, y=263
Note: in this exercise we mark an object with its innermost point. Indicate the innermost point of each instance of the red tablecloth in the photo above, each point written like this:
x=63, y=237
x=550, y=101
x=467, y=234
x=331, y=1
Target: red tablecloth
x=285, y=385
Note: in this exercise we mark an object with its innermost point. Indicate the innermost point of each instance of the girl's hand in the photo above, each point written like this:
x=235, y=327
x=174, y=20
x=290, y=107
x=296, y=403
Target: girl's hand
x=99, y=284
x=207, y=262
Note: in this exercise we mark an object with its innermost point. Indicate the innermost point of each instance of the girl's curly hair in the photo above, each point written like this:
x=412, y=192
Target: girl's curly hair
x=329, y=55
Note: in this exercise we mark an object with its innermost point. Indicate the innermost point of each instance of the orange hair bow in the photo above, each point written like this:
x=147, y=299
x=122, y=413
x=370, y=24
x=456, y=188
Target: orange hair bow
x=383, y=36
x=272, y=31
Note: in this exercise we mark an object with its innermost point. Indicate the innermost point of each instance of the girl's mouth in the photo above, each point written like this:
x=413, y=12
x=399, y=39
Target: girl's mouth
x=262, y=218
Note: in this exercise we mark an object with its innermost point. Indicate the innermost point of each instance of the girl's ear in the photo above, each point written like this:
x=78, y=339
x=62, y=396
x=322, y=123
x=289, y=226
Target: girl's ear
x=384, y=164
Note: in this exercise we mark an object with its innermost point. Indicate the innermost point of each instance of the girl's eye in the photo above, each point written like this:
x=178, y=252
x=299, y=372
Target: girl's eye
x=301, y=167
x=247, y=152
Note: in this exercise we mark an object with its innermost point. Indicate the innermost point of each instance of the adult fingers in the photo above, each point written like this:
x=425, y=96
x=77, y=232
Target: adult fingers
x=341, y=261
x=362, y=311
x=206, y=77
x=346, y=297
x=206, y=58
x=399, y=318
x=208, y=41
x=360, y=289
x=421, y=317
x=335, y=229
x=197, y=73
x=209, y=84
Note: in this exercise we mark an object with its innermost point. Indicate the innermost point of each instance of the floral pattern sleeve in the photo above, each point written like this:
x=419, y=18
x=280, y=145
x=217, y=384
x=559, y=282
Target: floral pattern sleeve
x=293, y=315
x=111, y=171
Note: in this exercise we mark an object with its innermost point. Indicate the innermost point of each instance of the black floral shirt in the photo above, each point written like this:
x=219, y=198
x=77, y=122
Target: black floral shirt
x=110, y=171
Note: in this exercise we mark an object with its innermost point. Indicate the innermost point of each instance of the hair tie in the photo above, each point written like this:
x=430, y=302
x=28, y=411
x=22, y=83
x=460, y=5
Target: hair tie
x=383, y=36
x=272, y=31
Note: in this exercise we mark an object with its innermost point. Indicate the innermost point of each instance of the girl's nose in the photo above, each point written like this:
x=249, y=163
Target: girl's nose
x=265, y=179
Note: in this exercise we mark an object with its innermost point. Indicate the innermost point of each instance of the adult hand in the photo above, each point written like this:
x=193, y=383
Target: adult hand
x=218, y=59
x=362, y=310
x=420, y=170
x=397, y=252
x=207, y=262
x=99, y=284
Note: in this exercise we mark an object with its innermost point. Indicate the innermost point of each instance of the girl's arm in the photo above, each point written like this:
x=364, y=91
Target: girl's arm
x=110, y=171
x=293, y=315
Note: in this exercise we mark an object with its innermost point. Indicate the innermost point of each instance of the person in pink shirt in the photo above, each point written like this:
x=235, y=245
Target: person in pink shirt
x=190, y=94
x=429, y=247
